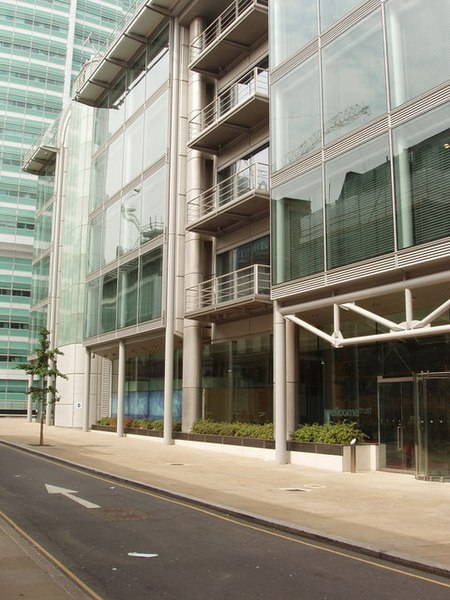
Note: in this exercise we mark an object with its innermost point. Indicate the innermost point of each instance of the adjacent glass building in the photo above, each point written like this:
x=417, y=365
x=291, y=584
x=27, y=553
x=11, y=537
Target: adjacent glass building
x=43, y=46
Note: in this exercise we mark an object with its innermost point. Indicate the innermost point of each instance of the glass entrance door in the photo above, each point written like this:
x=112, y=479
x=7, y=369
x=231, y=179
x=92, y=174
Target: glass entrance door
x=432, y=391
x=396, y=424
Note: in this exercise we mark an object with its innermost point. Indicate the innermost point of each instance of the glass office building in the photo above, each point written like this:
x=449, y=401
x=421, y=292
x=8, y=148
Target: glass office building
x=227, y=246
x=43, y=46
x=360, y=226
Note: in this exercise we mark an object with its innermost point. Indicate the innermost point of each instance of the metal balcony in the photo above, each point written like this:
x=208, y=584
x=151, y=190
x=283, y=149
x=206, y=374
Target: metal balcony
x=234, y=112
x=237, y=295
x=232, y=202
x=236, y=29
x=42, y=155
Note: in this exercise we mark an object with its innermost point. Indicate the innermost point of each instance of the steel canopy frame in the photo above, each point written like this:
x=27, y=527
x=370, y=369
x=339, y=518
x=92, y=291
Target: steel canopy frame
x=397, y=331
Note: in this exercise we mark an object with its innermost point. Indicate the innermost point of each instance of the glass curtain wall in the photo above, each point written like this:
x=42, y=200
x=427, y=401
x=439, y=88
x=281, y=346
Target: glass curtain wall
x=237, y=380
x=352, y=194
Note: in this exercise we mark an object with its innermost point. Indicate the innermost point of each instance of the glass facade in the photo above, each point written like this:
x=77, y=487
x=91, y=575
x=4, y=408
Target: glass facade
x=35, y=77
x=361, y=161
x=237, y=380
x=349, y=210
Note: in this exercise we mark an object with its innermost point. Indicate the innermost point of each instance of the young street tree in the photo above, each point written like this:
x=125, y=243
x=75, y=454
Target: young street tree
x=44, y=371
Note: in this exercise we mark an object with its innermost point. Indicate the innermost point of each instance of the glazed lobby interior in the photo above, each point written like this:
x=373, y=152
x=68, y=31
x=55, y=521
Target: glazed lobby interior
x=209, y=257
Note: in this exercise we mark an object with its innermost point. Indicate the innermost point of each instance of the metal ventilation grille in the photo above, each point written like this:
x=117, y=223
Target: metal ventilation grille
x=416, y=108
x=364, y=270
x=298, y=287
x=294, y=61
x=424, y=254
x=297, y=169
x=364, y=134
x=105, y=386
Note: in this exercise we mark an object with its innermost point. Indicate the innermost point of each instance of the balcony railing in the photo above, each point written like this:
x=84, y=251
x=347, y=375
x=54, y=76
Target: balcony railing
x=249, y=287
x=232, y=111
x=227, y=24
x=246, y=193
x=44, y=149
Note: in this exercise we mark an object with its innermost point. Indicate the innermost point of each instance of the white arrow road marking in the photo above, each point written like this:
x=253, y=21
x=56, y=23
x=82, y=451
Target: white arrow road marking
x=142, y=554
x=53, y=489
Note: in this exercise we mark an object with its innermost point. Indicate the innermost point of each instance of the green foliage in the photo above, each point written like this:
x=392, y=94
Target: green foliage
x=331, y=433
x=129, y=422
x=234, y=429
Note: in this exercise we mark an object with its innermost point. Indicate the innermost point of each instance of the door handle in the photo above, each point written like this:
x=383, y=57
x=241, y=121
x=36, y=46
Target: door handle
x=399, y=437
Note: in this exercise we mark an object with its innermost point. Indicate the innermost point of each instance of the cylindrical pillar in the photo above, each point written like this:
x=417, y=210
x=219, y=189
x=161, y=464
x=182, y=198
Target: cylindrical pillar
x=30, y=400
x=279, y=351
x=87, y=390
x=291, y=376
x=121, y=389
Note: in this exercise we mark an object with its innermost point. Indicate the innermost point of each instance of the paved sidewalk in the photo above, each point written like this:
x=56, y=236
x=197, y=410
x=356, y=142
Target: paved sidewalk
x=387, y=513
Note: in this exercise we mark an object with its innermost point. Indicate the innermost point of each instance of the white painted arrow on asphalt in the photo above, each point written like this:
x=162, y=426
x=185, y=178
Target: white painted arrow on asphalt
x=53, y=489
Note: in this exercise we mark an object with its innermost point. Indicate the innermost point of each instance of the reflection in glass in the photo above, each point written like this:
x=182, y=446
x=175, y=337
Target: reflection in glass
x=130, y=219
x=132, y=160
x=419, y=58
x=292, y=25
x=128, y=293
x=155, y=136
x=153, y=206
x=359, y=204
x=422, y=178
x=111, y=236
x=95, y=245
x=332, y=10
x=354, y=86
x=108, y=302
x=296, y=124
x=150, y=286
x=114, y=164
x=297, y=233
x=92, y=308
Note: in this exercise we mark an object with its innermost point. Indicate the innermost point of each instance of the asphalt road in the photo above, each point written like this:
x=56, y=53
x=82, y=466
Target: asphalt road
x=125, y=542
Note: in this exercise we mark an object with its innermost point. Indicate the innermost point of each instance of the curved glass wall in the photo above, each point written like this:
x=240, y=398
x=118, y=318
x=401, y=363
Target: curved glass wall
x=125, y=296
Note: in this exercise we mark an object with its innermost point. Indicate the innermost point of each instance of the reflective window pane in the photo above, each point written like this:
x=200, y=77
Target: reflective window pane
x=108, y=302
x=354, y=80
x=422, y=178
x=332, y=10
x=155, y=137
x=153, y=206
x=297, y=214
x=95, y=245
x=297, y=124
x=292, y=25
x=418, y=49
x=359, y=204
x=133, y=147
x=128, y=293
x=130, y=219
x=111, y=246
x=150, y=286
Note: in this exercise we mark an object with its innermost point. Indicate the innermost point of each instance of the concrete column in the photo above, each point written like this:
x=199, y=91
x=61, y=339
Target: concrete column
x=121, y=388
x=87, y=390
x=292, y=376
x=192, y=341
x=279, y=355
x=30, y=401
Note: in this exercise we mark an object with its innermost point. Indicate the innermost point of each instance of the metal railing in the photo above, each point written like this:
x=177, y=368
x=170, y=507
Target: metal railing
x=223, y=22
x=254, y=82
x=46, y=139
x=252, y=178
x=232, y=287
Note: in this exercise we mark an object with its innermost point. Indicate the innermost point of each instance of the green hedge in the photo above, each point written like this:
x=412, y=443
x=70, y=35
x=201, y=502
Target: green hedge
x=331, y=433
x=234, y=429
x=153, y=424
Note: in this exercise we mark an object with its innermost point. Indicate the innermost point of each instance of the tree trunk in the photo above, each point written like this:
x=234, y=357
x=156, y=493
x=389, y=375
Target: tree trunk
x=41, y=428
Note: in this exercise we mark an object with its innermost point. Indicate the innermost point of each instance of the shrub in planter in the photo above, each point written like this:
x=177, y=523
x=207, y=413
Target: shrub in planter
x=330, y=433
x=233, y=429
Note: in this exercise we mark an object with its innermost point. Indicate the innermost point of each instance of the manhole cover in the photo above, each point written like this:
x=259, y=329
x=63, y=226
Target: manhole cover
x=119, y=514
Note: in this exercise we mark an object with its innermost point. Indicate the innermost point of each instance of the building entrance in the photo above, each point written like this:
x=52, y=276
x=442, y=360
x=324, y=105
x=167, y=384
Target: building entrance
x=396, y=423
x=414, y=424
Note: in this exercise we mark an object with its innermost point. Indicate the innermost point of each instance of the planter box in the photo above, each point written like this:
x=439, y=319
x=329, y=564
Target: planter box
x=334, y=457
